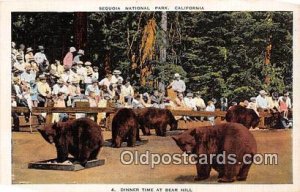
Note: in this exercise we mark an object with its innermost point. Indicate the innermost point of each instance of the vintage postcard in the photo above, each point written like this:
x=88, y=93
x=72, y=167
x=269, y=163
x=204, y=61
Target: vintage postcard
x=149, y=96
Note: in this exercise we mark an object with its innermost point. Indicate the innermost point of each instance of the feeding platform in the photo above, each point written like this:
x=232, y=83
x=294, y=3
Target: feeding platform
x=70, y=165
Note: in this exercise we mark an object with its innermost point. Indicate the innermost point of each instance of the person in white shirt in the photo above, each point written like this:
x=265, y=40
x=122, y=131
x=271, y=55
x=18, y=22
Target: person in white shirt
x=60, y=87
x=116, y=76
x=190, y=102
x=41, y=59
x=107, y=81
x=261, y=100
x=127, y=92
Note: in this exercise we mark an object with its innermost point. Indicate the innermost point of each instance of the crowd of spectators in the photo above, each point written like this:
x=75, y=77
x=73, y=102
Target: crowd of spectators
x=35, y=81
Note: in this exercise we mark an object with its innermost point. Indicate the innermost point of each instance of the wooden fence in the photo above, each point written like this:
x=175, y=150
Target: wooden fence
x=219, y=115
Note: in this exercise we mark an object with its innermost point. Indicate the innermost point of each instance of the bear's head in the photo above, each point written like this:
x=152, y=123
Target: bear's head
x=50, y=132
x=186, y=141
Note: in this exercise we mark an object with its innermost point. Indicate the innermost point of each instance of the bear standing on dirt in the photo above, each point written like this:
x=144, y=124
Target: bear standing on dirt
x=156, y=118
x=82, y=138
x=228, y=148
x=243, y=115
x=125, y=127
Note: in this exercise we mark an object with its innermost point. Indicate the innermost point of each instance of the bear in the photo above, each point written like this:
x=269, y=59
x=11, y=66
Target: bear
x=125, y=127
x=233, y=141
x=82, y=138
x=243, y=115
x=156, y=118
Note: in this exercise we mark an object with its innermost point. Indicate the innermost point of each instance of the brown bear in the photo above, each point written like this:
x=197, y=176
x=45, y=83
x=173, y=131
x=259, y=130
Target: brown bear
x=82, y=138
x=125, y=127
x=243, y=115
x=229, y=149
x=155, y=118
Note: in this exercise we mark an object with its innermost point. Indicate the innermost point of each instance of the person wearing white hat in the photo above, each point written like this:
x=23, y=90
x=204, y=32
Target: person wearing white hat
x=28, y=75
x=68, y=59
x=44, y=90
x=29, y=55
x=93, y=87
x=189, y=101
x=57, y=67
x=41, y=59
x=79, y=54
x=177, y=84
x=60, y=87
x=261, y=100
x=116, y=77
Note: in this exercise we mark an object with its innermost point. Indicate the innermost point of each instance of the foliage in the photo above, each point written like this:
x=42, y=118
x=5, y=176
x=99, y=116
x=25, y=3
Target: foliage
x=218, y=53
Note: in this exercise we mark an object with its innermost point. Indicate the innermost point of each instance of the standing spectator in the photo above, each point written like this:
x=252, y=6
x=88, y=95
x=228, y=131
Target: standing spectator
x=261, y=100
x=81, y=72
x=41, y=59
x=211, y=107
x=80, y=53
x=68, y=59
x=224, y=103
x=116, y=76
x=29, y=55
x=177, y=86
x=34, y=93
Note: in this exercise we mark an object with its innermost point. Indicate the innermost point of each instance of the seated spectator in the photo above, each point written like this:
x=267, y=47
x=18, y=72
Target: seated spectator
x=157, y=99
x=283, y=107
x=80, y=53
x=57, y=68
x=60, y=87
x=189, y=102
x=261, y=100
x=28, y=75
x=127, y=92
x=29, y=55
x=94, y=87
x=179, y=102
x=89, y=69
x=88, y=79
x=138, y=101
x=107, y=81
x=44, y=91
x=95, y=74
x=200, y=104
x=116, y=76
x=288, y=99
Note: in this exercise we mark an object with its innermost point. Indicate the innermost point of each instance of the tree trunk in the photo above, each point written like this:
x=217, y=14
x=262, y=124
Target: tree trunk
x=163, y=48
x=268, y=59
x=80, y=23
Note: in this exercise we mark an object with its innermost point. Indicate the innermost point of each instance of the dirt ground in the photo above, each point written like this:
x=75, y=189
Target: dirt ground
x=31, y=148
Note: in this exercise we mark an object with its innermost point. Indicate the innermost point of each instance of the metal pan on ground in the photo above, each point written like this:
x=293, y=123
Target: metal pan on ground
x=107, y=143
x=68, y=165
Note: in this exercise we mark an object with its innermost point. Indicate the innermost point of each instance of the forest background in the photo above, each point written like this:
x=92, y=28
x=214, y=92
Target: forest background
x=220, y=54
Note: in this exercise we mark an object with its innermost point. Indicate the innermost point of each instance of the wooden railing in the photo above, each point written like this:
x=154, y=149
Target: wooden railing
x=49, y=110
